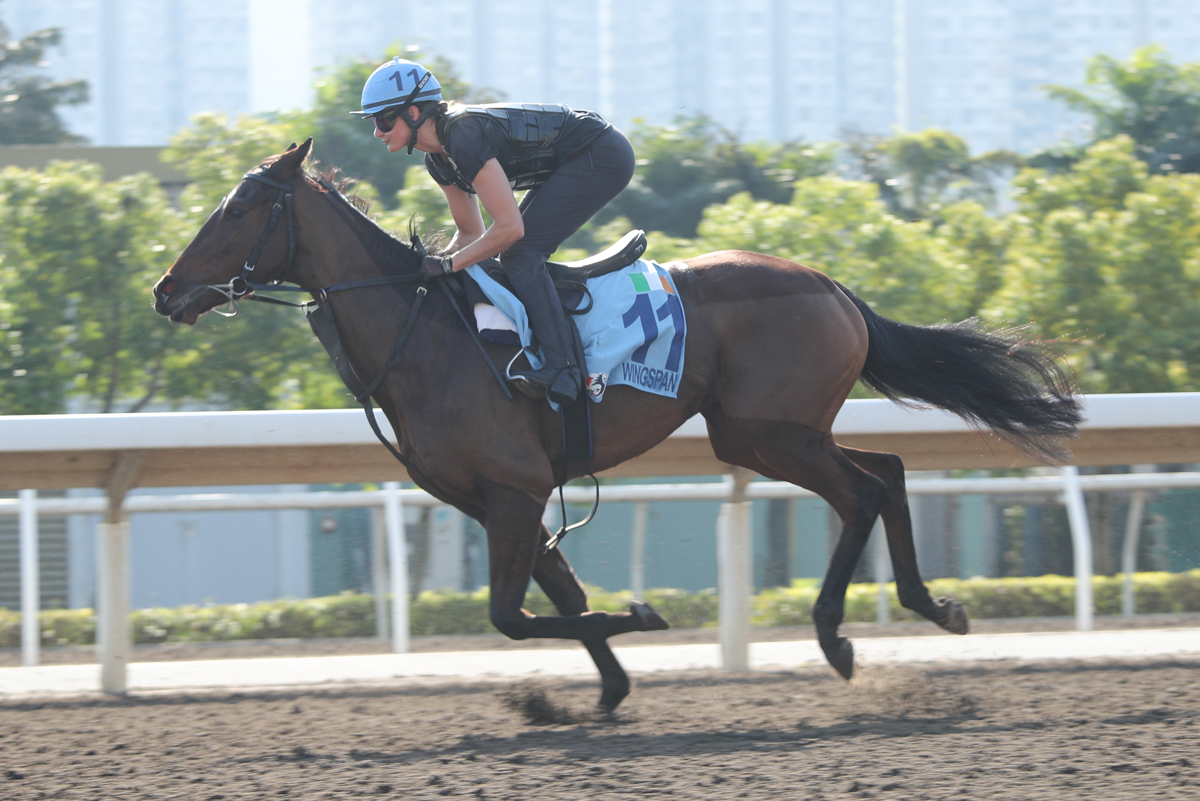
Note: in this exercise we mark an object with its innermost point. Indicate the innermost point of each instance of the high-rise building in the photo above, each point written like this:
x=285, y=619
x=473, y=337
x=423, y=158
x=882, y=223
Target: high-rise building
x=811, y=69
x=977, y=67
x=764, y=69
x=150, y=64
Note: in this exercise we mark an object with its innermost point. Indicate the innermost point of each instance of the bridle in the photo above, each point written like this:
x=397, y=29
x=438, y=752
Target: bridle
x=239, y=286
x=317, y=310
x=321, y=320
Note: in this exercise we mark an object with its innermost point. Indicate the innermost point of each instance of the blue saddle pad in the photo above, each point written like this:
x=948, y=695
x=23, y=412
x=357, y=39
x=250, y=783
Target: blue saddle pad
x=633, y=335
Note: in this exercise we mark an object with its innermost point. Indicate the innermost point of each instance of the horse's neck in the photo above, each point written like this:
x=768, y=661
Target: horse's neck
x=335, y=251
x=340, y=246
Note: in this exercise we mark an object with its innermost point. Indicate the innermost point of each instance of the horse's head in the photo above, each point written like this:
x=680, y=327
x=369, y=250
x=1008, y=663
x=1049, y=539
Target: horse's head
x=246, y=238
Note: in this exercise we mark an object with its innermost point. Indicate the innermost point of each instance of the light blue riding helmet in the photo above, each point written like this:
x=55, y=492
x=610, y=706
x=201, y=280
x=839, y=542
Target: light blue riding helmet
x=399, y=83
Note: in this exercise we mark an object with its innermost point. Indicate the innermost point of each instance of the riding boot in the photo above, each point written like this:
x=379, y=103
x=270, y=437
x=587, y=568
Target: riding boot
x=559, y=376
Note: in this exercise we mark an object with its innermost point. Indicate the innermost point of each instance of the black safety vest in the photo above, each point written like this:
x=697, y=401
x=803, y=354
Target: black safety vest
x=533, y=133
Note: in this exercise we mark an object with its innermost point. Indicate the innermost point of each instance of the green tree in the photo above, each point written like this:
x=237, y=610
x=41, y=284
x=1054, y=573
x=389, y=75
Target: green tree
x=980, y=242
x=214, y=152
x=1103, y=258
x=27, y=99
x=77, y=257
x=918, y=174
x=842, y=228
x=1148, y=98
x=422, y=204
x=686, y=167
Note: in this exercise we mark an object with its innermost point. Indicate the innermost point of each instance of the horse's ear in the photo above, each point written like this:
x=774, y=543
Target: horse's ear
x=293, y=158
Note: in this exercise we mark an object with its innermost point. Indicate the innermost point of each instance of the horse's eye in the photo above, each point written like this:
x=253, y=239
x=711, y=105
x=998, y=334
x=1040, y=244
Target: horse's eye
x=235, y=212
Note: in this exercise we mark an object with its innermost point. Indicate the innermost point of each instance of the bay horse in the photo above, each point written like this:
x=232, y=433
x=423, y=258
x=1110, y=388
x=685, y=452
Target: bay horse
x=773, y=349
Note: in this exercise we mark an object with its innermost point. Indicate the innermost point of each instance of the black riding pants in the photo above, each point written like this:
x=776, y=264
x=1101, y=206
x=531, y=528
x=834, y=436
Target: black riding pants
x=571, y=196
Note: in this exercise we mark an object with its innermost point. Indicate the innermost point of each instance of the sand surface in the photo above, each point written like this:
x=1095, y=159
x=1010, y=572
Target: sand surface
x=997, y=731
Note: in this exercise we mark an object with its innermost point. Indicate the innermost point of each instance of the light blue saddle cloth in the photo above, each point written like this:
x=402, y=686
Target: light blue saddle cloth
x=633, y=335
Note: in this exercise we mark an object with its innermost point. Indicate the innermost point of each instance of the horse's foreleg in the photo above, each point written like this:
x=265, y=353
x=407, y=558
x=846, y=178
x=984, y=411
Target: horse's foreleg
x=564, y=589
x=515, y=534
x=910, y=589
x=556, y=578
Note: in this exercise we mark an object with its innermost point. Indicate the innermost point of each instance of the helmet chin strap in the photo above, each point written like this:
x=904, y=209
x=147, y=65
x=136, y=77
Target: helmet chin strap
x=415, y=125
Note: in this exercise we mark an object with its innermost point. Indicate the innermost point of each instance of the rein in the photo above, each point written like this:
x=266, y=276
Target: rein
x=320, y=319
x=317, y=312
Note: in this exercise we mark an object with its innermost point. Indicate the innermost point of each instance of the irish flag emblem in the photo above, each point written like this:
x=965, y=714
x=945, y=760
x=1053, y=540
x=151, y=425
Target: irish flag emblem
x=648, y=279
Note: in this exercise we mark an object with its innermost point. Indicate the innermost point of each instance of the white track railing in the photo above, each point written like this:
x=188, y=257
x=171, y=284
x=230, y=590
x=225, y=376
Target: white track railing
x=732, y=532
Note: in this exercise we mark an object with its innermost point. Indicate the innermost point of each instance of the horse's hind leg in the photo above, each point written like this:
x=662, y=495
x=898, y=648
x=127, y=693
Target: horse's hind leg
x=811, y=459
x=897, y=522
x=564, y=589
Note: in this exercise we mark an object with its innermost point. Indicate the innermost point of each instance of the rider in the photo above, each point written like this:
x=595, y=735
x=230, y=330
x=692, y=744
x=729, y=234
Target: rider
x=572, y=162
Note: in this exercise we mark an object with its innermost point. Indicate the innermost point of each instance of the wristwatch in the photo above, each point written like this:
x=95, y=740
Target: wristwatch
x=447, y=265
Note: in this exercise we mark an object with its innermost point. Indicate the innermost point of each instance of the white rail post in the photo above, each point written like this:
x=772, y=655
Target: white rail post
x=393, y=508
x=1081, y=540
x=1133, y=527
x=379, y=578
x=734, y=574
x=637, y=555
x=882, y=574
x=113, y=641
x=31, y=635
x=112, y=596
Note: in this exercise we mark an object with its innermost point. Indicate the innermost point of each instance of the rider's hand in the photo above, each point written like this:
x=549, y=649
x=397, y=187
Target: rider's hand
x=436, y=266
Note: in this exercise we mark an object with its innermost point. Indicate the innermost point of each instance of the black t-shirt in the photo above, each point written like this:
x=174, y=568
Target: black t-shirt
x=473, y=140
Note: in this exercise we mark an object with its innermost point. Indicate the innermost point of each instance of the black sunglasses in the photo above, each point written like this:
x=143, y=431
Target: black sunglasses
x=385, y=120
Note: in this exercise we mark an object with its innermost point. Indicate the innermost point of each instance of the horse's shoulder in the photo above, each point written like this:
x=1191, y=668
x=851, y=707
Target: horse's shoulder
x=742, y=274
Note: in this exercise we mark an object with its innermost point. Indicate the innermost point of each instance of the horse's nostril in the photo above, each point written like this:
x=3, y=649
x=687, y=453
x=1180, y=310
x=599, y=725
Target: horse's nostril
x=166, y=286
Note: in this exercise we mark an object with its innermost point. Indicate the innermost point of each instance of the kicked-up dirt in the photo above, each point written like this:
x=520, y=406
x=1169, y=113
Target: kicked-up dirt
x=1085, y=730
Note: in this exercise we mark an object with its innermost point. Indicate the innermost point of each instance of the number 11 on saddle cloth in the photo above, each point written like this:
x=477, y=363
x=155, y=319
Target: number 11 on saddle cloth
x=633, y=336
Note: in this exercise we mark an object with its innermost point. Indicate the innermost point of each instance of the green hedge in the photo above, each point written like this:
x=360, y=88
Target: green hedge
x=985, y=598
x=351, y=615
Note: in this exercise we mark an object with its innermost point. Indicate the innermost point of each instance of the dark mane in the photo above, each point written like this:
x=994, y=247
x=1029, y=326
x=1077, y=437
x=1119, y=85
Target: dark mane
x=385, y=249
x=333, y=179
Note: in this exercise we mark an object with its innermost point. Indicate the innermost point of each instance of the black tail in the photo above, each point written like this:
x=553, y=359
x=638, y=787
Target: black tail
x=993, y=379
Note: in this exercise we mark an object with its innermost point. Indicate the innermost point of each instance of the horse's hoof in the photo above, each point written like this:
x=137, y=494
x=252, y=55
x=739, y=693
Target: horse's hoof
x=840, y=654
x=610, y=699
x=954, y=616
x=647, y=617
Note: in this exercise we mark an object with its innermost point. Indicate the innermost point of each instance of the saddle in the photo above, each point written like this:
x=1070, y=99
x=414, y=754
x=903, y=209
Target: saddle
x=570, y=277
x=622, y=253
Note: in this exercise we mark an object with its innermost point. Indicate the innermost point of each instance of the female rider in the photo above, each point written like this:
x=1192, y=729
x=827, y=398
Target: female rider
x=572, y=162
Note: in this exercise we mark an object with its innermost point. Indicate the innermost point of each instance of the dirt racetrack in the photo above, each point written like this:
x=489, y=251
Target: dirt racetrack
x=1108, y=731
